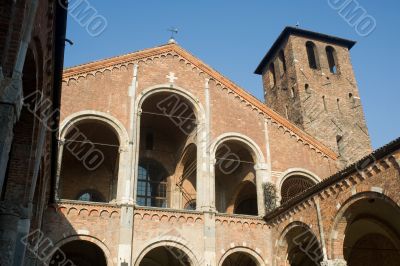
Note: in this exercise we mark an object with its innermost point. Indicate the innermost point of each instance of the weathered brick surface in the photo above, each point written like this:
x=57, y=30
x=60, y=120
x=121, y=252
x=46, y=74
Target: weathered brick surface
x=103, y=87
x=298, y=95
x=336, y=202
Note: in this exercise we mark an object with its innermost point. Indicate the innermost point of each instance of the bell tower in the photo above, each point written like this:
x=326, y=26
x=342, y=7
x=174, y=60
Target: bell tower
x=308, y=78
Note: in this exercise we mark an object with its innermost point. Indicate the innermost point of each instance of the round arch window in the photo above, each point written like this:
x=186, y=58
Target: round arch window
x=294, y=186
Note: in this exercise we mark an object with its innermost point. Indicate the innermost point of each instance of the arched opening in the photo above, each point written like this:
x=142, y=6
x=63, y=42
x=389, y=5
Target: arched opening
x=239, y=259
x=171, y=120
x=372, y=234
x=165, y=256
x=25, y=134
x=294, y=185
x=282, y=62
x=272, y=75
x=246, y=200
x=332, y=62
x=90, y=160
x=312, y=55
x=301, y=247
x=235, y=178
x=79, y=252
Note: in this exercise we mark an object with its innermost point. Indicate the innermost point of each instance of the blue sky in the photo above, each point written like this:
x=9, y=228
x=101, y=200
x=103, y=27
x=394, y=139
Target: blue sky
x=232, y=36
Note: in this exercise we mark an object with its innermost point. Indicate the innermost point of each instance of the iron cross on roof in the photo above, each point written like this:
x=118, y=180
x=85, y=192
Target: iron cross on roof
x=173, y=32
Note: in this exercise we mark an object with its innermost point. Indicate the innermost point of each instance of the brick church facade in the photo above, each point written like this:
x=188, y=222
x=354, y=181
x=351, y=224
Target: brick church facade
x=161, y=160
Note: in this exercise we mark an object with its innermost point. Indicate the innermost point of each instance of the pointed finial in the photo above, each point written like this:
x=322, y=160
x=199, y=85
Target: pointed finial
x=173, y=32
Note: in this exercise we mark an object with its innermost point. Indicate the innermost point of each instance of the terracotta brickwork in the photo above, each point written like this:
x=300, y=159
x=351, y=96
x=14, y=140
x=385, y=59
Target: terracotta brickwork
x=326, y=105
x=30, y=61
x=123, y=91
x=377, y=181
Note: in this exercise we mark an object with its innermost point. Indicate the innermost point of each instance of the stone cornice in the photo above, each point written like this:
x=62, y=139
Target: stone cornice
x=82, y=71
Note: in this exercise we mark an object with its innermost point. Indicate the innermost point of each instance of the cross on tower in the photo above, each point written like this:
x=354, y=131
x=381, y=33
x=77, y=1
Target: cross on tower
x=171, y=77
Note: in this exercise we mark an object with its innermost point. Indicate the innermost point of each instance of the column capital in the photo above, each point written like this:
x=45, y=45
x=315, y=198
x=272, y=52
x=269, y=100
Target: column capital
x=337, y=262
x=260, y=166
x=8, y=208
x=11, y=91
x=123, y=148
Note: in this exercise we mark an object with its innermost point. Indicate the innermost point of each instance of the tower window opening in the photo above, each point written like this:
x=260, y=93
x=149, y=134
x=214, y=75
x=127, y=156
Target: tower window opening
x=331, y=55
x=271, y=74
x=312, y=55
x=351, y=99
x=324, y=102
x=307, y=88
x=282, y=62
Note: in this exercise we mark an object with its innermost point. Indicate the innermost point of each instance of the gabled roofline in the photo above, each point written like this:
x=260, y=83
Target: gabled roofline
x=303, y=33
x=106, y=63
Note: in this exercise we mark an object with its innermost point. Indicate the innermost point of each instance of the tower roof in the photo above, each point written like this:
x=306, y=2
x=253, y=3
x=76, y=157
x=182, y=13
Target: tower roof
x=303, y=33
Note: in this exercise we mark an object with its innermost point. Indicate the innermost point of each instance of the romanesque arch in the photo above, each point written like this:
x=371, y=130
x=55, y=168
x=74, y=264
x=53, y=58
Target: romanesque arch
x=26, y=129
x=298, y=245
x=94, y=145
x=81, y=250
x=170, y=122
x=366, y=231
x=167, y=252
x=235, y=157
x=293, y=182
x=241, y=256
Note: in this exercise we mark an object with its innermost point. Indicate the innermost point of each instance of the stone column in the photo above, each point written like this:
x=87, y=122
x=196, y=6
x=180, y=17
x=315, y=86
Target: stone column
x=10, y=107
x=123, y=178
x=58, y=171
x=10, y=215
x=321, y=229
x=205, y=168
x=261, y=179
x=210, y=191
x=127, y=188
x=209, y=239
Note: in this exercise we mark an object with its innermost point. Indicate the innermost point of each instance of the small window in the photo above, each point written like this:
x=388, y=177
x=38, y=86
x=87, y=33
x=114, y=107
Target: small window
x=282, y=62
x=331, y=55
x=324, y=102
x=293, y=186
x=340, y=144
x=271, y=74
x=307, y=88
x=312, y=55
x=152, y=185
x=352, y=100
